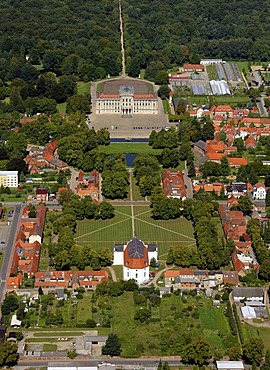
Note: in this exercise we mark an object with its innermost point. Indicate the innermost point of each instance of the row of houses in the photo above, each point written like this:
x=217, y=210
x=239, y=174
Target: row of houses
x=214, y=151
x=40, y=157
x=233, y=191
x=234, y=225
x=187, y=278
x=28, y=242
x=54, y=280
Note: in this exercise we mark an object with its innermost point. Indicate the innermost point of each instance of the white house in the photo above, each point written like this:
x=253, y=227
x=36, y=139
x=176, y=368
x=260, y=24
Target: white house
x=135, y=257
x=259, y=191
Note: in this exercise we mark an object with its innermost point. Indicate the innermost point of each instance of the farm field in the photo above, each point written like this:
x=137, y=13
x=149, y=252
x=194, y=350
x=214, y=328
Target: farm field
x=106, y=233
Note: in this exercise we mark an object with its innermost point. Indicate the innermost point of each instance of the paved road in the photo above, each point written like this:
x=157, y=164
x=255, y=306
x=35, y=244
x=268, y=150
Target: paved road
x=261, y=107
x=73, y=179
x=188, y=183
x=9, y=251
x=138, y=362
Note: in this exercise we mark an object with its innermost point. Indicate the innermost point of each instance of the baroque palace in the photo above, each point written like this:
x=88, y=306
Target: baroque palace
x=126, y=97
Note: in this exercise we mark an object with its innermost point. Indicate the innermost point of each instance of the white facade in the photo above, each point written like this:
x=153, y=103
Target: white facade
x=126, y=103
x=9, y=178
x=259, y=193
x=135, y=257
x=140, y=275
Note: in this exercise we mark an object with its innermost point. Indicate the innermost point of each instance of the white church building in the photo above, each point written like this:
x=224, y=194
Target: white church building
x=135, y=257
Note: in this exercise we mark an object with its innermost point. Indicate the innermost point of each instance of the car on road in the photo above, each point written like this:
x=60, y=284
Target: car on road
x=3, y=242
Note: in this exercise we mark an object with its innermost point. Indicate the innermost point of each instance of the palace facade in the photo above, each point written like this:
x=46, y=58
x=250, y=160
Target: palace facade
x=126, y=97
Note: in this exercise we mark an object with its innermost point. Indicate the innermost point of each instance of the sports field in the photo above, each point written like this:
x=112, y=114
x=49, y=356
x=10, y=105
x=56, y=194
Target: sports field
x=118, y=230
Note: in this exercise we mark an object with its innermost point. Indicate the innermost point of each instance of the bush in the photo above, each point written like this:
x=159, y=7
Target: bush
x=79, y=296
x=90, y=323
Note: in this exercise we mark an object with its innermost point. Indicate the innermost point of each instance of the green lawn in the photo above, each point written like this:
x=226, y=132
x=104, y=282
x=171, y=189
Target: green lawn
x=136, y=190
x=118, y=271
x=166, y=106
x=119, y=230
x=12, y=198
x=129, y=148
x=44, y=334
x=215, y=326
x=264, y=333
x=106, y=233
x=83, y=87
x=84, y=308
x=49, y=347
x=61, y=107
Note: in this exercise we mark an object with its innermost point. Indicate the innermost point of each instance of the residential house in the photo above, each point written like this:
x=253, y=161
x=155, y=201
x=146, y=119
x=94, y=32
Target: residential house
x=233, y=222
x=248, y=294
x=216, y=187
x=88, y=185
x=174, y=184
x=90, y=345
x=14, y=282
x=244, y=260
x=9, y=179
x=259, y=191
x=230, y=278
x=250, y=142
x=236, y=190
x=42, y=195
x=40, y=157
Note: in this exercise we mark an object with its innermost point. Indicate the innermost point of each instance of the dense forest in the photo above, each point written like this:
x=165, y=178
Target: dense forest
x=72, y=37
x=168, y=32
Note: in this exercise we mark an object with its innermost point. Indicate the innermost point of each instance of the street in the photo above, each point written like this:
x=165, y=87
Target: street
x=138, y=362
x=4, y=273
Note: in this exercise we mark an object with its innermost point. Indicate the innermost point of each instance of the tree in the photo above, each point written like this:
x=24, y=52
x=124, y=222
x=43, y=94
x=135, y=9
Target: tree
x=161, y=78
x=8, y=354
x=112, y=346
x=10, y=304
x=181, y=107
x=224, y=166
x=245, y=204
x=153, y=262
x=142, y=315
x=197, y=352
x=164, y=92
x=105, y=211
x=267, y=199
x=253, y=350
x=72, y=354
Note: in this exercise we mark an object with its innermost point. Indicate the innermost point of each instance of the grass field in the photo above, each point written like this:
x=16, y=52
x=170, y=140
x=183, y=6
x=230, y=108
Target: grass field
x=136, y=190
x=166, y=106
x=264, y=333
x=49, y=347
x=106, y=233
x=61, y=107
x=83, y=87
x=215, y=326
x=129, y=148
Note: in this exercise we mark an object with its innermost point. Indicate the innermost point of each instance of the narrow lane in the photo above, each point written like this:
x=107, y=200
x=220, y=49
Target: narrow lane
x=9, y=250
x=122, y=40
